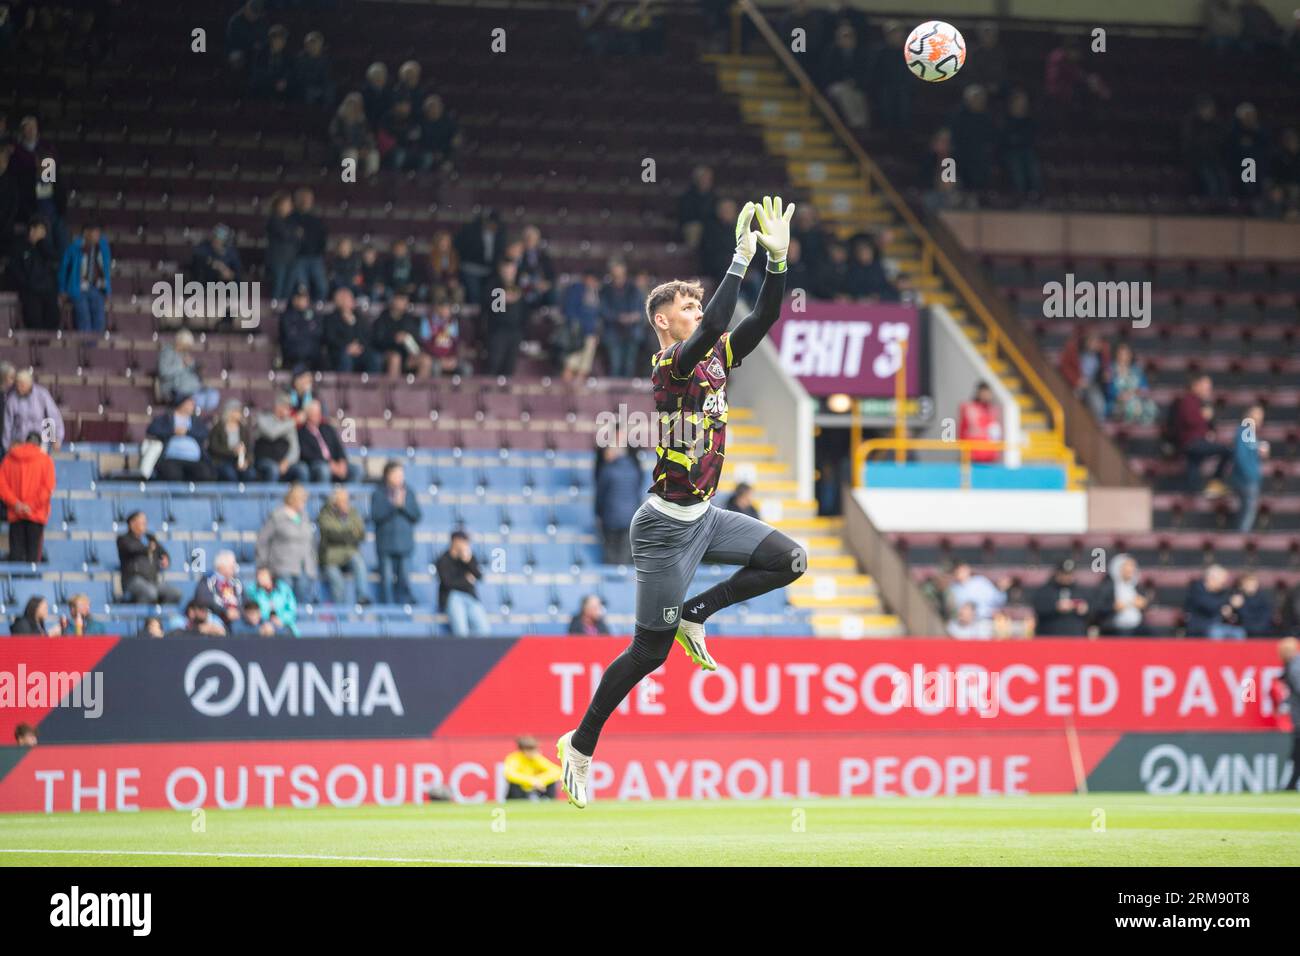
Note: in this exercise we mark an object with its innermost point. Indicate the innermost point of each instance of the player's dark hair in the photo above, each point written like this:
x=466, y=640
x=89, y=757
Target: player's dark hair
x=666, y=293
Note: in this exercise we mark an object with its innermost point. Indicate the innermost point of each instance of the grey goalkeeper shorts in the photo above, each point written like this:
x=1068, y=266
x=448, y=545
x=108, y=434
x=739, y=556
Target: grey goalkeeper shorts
x=667, y=552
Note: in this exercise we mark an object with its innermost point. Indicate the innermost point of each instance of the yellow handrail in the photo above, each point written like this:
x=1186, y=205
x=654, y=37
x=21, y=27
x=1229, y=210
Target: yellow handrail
x=963, y=448
x=931, y=253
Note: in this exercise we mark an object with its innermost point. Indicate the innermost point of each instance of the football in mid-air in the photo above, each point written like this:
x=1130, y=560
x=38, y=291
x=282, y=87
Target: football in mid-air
x=935, y=51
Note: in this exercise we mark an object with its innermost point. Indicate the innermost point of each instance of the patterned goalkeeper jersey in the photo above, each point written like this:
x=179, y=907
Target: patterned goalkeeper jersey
x=692, y=409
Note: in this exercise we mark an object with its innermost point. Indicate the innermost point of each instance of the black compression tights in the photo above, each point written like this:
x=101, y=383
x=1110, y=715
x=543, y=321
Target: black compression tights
x=775, y=563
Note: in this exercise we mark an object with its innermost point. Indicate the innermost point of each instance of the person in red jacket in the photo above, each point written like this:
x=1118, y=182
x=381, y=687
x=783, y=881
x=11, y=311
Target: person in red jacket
x=1193, y=434
x=981, y=419
x=26, y=485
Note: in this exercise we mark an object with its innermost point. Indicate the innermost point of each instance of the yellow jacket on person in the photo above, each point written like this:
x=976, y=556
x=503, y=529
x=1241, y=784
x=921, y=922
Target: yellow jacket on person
x=531, y=770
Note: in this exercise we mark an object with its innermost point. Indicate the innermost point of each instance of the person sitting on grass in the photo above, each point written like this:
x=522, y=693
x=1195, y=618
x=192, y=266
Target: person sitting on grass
x=529, y=774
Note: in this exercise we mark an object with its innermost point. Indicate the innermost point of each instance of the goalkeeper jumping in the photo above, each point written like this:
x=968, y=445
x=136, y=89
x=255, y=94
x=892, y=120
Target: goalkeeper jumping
x=677, y=527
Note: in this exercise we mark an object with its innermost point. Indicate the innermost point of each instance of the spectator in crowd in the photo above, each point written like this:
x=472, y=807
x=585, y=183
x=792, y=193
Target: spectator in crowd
x=717, y=239
x=216, y=259
x=178, y=374
x=966, y=587
x=184, y=438
x=275, y=599
x=342, y=533
x=590, y=619
x=397, y=338
x=1248, y=140
x=143, y=561
x=403, y=275
x=35, y=620
x=797, y=273
x=812, y=237
x=1018, y=144
x=230, y=445
x=695, y=206
x=1255, y=609
x=348, y=336
x=1085, y=363
x=842, y=71
x=81, y=622
x=1192, y=433
x=302, y=332
x=300, y=394
x=85, y=278
x=152, y=627
x=311, y=74
x=376, y=95
x=1211, y=607
x=890, y=88
x=351, y=136
x=35, y=273
x=622, y=313
x=25, y=735
x=1285, y=165
x=1122, y=601
x=1247, y=475
x=399, y=137
x=374, y=275
x=619, y=488
x=980, y=419
x=11, y=201
x=1128, y=397
x=439, y=135
x=529, y=775
x=866, y=279
x=199, y=622
x=8, y=375
x=26, y=487
x=272, y=73
x=287, y=544
x=986, y=60
x=973, y=139
x=479, y=244
x=1260, y=32
x=283, y=241
x=251, y=623
x=222, y=592
x=313, y=238
x=581, y=309
x=407, y=88
x=1291, y=611
x=44, y=197
x=742, y=500
x=1222, y=21
x=1061, y=606
x=458, y=577
x=440, y=339
x=30, y=408
x=506, y=316
x=344, y=269
x=276, y=451
x=1203, y=138
x=395, y=512
x=831, y=279
x=322, y=450
x=444, y=267
x=246, y=34
x=968, y=625
x=1068, y=85
x=536, y=271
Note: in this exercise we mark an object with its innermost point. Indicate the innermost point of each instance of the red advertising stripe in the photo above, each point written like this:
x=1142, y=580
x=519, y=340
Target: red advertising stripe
x=32, y=668
x=786, y=686
x=125, y=777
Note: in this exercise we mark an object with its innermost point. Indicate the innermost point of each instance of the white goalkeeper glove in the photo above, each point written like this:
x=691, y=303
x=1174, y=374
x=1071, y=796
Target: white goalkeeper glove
x=746, y=241
x=774, y=230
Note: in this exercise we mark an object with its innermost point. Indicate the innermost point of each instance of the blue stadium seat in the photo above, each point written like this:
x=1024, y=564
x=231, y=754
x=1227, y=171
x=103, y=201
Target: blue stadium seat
x=409, y=628
x=317, y=629
x=153, y=506
x=89, y=514
x=65, y=554
x=21, y=590
x=99, y=592
x=194, y=514
x=74, y=473
x=243, y=514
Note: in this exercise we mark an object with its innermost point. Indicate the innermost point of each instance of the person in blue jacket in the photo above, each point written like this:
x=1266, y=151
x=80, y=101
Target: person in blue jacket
x=395, y=513
x=85, y=277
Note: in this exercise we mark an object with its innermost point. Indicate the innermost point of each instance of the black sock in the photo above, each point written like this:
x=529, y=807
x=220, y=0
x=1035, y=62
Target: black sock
x=775, y=563
x=647, y=651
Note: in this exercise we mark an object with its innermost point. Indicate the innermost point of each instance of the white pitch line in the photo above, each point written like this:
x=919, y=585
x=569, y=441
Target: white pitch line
x=296, y=856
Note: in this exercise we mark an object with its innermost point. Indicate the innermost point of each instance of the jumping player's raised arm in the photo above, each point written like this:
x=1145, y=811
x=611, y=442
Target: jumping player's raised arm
x=774, y=235
x=717, y=314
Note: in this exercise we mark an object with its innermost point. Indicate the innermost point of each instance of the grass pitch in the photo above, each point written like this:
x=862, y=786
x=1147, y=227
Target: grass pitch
x=1094, y=830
